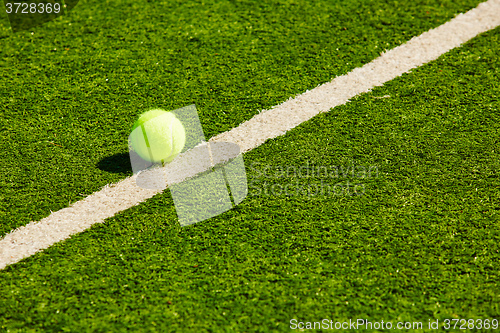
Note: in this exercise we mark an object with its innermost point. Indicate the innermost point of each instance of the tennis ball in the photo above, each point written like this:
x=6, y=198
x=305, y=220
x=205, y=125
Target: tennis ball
x=158, y=136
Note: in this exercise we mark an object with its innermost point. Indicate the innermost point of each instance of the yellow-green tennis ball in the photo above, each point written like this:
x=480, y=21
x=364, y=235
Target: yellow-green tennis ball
x=158, y=136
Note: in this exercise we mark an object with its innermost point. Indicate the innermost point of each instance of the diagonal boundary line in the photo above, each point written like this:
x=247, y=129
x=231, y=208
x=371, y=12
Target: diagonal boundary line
x=391, y=64
x=114, y=198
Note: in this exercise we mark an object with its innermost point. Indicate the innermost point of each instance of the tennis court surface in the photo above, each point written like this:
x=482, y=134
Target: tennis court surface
x=370, y=135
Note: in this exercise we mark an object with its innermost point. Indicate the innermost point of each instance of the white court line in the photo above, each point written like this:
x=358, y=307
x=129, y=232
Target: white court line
x=60, y=225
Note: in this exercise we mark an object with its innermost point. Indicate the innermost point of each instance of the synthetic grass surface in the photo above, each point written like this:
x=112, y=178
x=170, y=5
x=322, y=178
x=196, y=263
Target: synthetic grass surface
x=421, y=243
x=71, y=89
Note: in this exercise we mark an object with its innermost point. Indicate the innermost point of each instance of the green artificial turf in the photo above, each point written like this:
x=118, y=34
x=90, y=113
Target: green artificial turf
x=71, y=89
x=420, y=244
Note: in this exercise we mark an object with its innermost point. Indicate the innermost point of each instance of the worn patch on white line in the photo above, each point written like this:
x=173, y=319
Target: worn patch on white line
x=37, y=236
